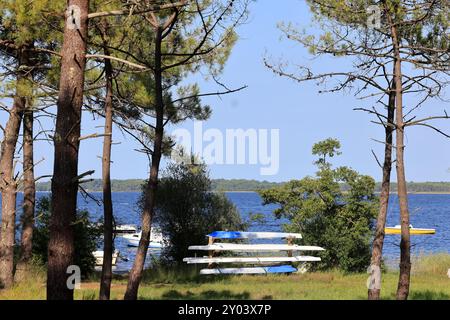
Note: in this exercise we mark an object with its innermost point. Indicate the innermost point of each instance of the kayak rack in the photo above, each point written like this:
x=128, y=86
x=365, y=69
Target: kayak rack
x=253, y=264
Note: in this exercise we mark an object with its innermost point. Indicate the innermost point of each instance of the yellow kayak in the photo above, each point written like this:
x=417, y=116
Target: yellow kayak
x=412, y=230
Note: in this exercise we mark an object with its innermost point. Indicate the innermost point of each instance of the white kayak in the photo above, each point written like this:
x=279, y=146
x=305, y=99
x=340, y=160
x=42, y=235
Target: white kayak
x=250, y=259
x=254, y=247
x=253, y=235
x=253, y=270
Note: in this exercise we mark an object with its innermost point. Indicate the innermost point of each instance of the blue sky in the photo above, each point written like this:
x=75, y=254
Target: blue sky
x=302, y=116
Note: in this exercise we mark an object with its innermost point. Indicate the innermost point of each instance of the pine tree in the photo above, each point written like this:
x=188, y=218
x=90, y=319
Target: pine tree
x=20, y=30
x=406, y=51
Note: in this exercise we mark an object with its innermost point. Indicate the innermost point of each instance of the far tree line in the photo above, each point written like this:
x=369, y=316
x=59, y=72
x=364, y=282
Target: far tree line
x=224, y=185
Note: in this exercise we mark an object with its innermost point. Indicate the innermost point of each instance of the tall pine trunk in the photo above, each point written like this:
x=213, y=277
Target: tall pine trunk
x=29, y=194
x=8, y=184
x=106, y=278
x=377, y=247
x=152, y=184
x=405, y=243
x=66, y=141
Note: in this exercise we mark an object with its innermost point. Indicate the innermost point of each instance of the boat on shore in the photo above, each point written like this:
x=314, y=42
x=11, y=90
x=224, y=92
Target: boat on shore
x=254, y=247
x=414, y=231
x=254, y=270
x=253, y=235
x=253, y=260
x=98, y=255
x=261, y=264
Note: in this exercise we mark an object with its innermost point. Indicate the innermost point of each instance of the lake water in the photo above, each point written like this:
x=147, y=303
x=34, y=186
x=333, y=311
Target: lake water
x=427, y=211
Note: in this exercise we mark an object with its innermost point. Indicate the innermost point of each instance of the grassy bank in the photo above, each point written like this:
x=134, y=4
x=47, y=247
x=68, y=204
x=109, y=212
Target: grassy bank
x=429, y=281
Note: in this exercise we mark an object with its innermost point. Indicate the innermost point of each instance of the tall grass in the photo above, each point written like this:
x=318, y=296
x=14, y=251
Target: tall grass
x=429, y=281
x=431, y=264
x=31, y=287
x=173, y=274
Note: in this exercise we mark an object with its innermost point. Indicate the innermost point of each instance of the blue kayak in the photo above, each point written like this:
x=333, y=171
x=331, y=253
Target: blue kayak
x=252, y=235
x=249, y=270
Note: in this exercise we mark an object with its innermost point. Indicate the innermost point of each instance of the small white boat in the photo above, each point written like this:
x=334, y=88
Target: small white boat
x=156, y=239
x=99, y=268
x=250, y=259
x=98, y=255
x=125, y=228
x=254, y=247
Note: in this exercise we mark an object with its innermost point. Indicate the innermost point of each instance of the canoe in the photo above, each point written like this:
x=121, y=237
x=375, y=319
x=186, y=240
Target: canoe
x=255, y=270
x=412, y=230
x=250, y=259
x=254, y=247
x=253, y=235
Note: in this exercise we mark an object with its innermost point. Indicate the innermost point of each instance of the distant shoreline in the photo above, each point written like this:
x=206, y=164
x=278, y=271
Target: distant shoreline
x=423, y=192
x=256, y=191
x=243, y=185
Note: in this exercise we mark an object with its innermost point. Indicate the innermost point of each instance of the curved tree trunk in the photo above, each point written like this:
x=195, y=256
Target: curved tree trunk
x=377, y=248
x=66, y=141
x=108, y=240
x=152, y=184
x=29, y=194
x=8, y=183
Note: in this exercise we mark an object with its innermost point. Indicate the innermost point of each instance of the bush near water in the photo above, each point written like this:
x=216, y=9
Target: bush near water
x=86, y=233
x=187, y=210
x=341, y=222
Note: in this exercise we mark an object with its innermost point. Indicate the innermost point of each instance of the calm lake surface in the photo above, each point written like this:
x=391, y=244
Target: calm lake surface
x=427, y=211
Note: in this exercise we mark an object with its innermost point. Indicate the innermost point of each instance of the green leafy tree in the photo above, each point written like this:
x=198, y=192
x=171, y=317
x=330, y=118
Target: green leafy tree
x=87, y=236
x=341, y=222
x=327, y=148
x=187, y=209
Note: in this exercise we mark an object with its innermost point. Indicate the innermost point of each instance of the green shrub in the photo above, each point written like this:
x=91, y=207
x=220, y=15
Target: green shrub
x=326, y=216
x=86, y=233
x=187, y=210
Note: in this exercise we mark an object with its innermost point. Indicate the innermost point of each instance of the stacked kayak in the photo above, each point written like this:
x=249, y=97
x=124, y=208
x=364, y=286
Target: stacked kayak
x=258, y=263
